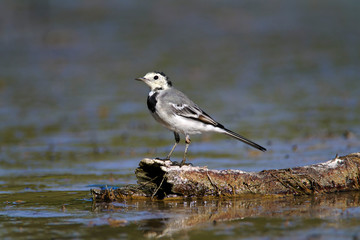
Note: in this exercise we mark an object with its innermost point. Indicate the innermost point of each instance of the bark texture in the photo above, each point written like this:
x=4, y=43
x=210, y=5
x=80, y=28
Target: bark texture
x=161, y=180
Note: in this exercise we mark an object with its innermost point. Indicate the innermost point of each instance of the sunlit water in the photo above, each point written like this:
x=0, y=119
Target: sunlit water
x=284, y=74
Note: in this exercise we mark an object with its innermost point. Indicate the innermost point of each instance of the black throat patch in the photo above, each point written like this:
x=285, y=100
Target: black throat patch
x=151, y=102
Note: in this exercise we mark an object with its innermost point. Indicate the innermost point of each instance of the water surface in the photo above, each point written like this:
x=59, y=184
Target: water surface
x=72, y=118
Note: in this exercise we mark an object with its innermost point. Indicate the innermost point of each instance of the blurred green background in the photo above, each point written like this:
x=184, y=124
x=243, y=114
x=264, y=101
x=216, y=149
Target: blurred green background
x=282, y=73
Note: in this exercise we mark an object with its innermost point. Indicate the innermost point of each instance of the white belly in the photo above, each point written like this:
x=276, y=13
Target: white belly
x=185, y=125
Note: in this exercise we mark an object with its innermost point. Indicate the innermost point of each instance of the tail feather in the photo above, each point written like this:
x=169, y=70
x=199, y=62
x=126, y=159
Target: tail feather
x=243, y=139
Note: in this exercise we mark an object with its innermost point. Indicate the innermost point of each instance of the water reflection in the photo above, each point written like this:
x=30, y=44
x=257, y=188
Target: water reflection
x=250, y=213
x=283, y=74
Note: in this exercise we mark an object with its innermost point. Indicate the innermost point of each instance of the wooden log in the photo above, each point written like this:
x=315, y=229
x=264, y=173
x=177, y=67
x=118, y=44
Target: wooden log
x=162, y=180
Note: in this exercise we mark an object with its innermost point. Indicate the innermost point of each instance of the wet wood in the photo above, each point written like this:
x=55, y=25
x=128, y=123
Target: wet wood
x=161, y=180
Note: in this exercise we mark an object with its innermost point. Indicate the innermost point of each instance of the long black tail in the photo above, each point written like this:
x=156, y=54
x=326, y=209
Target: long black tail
x=243, y=139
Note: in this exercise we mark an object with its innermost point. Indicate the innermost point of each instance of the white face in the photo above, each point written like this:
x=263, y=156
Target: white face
x=156, y=80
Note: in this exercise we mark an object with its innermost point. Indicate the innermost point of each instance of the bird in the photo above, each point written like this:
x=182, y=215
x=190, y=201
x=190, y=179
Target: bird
x=175, y=111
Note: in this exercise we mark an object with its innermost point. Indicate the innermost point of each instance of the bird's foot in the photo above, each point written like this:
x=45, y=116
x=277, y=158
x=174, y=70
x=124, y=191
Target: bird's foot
x=182, y=163
x=175, y=163
x=163, y=159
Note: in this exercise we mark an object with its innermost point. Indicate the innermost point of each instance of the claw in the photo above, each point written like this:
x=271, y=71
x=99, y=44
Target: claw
x=186, y=164
x=175, y=163
x=163, y=159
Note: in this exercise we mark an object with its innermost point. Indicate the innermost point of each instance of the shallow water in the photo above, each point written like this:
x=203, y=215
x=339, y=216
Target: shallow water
x=284, y=74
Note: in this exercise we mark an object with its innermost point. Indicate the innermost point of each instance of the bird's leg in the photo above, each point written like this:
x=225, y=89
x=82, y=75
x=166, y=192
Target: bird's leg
x=177, y=140
x=187, y=141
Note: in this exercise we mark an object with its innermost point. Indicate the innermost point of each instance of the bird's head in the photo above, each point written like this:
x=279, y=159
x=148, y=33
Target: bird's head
x=156, y=80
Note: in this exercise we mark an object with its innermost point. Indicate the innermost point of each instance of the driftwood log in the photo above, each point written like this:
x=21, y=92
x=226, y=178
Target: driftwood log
x=162, y=180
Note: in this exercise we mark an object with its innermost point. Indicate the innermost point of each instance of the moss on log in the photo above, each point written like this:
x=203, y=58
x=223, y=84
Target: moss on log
x=160, y=179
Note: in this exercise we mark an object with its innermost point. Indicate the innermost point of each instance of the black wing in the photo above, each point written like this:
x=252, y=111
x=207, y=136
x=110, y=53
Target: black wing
x=195, y=113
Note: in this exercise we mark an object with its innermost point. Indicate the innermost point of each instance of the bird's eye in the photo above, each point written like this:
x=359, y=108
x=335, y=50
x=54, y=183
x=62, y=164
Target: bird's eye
x=156, y=77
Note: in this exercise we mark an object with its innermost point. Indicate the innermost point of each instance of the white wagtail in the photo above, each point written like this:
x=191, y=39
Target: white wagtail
x=175, y=111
